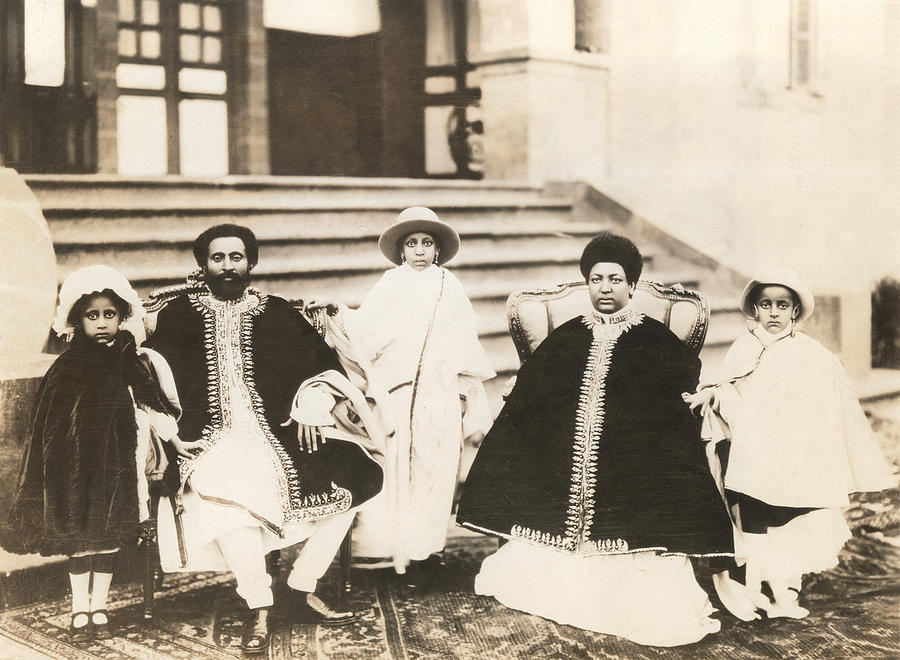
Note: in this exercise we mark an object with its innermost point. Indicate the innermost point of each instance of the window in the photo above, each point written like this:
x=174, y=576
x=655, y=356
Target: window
x=172, y=58
x=803, y=56
x=591, y=35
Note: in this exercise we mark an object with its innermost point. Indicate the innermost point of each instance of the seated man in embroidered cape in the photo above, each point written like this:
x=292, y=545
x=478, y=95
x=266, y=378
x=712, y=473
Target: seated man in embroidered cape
x=276, y=445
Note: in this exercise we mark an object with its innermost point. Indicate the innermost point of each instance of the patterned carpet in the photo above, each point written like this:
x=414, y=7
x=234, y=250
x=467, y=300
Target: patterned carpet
x=432, y=613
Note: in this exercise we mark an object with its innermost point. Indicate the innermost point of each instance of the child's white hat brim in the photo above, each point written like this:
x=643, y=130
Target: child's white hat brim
x=780, y=276
x=94, y=279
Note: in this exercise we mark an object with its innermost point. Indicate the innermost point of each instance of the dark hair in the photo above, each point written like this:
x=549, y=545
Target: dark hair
x=201, y=243
x=754, y=293
x=612, y=248
x=77, y=311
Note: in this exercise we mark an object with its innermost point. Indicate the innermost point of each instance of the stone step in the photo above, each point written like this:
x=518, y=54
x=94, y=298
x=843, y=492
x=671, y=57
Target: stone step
x=78, y=228
x=172, y=193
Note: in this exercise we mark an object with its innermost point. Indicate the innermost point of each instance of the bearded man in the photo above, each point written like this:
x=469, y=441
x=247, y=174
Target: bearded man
x=275, y=445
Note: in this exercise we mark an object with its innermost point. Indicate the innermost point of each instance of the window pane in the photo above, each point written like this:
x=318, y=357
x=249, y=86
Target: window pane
x=127, y=43
x=212, y=19
x=150, y=12
x=141, y=135
x=141, y=76
x=189, y=16
x=126, y=11
x=45, y=43
x=204, y=137
x=802, y=61
x=150, y=44
x=437, y=150
x=803, y=16
x=204, y=81
x=190, y=48
x=212, y=50
x=590, y=25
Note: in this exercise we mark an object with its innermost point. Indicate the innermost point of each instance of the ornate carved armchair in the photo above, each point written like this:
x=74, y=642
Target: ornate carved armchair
x=533, y=314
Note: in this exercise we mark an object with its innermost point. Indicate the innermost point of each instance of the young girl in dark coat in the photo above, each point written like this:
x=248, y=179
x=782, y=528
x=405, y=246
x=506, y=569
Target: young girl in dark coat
x=78, y=488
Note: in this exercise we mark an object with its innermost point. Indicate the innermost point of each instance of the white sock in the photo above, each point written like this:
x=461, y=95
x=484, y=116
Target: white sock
x=81, y=595
x=99, y=593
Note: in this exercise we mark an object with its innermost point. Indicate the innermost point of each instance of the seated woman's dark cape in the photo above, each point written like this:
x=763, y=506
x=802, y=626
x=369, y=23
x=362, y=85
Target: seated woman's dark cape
x=648, y=485
x=280, y=350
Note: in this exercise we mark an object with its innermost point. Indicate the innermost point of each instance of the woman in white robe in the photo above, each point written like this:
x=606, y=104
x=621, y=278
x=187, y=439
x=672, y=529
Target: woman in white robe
x=415, y=339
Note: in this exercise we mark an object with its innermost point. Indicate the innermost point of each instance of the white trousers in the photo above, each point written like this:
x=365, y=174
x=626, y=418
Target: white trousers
x=244, y=553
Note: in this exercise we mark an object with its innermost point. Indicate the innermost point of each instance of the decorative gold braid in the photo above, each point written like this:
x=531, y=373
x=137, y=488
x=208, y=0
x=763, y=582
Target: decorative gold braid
x=589, y=420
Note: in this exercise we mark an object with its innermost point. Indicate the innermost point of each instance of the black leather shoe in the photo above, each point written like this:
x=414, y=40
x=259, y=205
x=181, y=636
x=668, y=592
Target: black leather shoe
x=256, y=632
x=83, y=633
x=314, y=610
x=102, y=630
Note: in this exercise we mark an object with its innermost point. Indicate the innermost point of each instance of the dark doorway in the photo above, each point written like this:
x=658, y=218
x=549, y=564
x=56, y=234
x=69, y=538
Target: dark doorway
x=325, y=110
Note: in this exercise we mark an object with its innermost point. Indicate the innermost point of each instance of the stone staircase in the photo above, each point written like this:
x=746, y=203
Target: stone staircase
x=318, y=237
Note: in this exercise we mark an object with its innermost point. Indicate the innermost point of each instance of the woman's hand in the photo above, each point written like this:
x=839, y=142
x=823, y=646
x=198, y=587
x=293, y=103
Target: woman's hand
x=310, y=437
x=186, y=449
x=705, y=399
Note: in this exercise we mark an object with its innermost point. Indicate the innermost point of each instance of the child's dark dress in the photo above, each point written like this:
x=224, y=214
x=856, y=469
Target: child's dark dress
x=77, y=485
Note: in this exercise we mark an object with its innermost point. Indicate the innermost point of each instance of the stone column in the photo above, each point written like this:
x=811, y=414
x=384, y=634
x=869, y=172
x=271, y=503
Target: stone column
x=544, y=104
x=28, y=301
x=107, y=58
x=248, y=81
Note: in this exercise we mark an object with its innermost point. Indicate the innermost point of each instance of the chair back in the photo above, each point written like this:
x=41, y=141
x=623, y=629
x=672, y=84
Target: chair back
x=533, y=314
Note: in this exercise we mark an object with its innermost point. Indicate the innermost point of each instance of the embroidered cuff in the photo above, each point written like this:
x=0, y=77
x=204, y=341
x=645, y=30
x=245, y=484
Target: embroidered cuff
x=313, y=407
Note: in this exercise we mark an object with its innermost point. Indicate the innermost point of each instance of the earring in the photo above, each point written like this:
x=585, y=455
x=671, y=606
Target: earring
x=402, y=258
x=436, y=255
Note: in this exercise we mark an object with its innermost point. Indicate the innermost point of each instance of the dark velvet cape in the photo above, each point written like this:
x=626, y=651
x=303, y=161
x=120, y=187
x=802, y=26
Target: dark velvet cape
x=77, y=485
x=279, y=350
x=614, y=467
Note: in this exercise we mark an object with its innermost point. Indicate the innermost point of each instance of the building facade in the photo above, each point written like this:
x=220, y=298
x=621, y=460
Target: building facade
x=755, y=131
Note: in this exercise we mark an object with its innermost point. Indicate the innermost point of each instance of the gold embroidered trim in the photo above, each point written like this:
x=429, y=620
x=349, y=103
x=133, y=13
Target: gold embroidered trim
x=560, y=542
x=625, y=316
x=589, y=420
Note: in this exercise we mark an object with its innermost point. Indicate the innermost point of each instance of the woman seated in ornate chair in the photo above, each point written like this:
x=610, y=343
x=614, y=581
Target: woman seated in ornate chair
x=595, y=472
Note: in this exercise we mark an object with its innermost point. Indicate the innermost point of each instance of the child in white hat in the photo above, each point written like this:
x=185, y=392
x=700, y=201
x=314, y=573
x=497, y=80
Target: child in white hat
x=82, y=488
x=800, y=443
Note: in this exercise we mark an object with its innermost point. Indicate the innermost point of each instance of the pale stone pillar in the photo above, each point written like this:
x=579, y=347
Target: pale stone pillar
x=28, y=275
x=856, y=333
x=27, y=301
x=544, y=105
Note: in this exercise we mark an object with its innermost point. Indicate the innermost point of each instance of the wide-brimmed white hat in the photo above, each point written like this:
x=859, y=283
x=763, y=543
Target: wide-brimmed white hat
x=94, y=279
x=780, y=276
x=418, y=219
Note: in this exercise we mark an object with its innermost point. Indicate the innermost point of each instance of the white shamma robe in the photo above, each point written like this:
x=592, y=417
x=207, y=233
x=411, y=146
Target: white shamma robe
x=798, y=439
x=415, y=338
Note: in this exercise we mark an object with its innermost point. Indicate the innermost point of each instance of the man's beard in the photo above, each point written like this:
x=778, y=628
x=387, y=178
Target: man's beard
x=225, y=288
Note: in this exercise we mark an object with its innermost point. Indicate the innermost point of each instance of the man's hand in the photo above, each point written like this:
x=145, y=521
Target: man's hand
x=310, y=437
x=186, y=449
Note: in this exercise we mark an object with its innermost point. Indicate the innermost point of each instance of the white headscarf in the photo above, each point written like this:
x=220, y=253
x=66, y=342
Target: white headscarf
x=95, y=279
